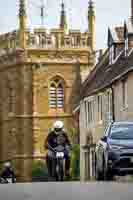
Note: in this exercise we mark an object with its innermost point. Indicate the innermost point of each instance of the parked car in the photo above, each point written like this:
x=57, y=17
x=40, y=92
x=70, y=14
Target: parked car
x=114, y=151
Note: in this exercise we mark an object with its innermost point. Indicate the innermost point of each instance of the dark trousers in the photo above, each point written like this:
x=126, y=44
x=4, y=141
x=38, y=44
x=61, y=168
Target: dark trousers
x=51, y=165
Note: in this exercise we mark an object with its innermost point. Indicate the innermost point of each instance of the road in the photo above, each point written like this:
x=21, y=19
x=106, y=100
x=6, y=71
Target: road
x=67, y=191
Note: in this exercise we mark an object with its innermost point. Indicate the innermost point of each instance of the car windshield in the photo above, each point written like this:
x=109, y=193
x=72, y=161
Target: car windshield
x=122, y=131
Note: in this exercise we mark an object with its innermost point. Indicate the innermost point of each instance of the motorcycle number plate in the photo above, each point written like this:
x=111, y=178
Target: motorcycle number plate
x=59, y=154
x=9, y=180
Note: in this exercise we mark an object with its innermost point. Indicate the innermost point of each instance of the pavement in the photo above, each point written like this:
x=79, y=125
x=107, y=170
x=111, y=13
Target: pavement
x=67, y=191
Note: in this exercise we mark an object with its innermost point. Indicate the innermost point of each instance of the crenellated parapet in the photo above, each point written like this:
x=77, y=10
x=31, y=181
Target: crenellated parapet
x=44, y=39
x=41, y=38
x=57, y=38
x=8, y=42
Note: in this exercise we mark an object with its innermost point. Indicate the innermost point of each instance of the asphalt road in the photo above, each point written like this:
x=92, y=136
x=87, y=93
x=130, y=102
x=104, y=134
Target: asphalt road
x=67, y=191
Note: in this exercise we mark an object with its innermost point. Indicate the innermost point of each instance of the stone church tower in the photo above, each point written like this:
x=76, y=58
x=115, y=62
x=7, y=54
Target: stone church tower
x=40, y=77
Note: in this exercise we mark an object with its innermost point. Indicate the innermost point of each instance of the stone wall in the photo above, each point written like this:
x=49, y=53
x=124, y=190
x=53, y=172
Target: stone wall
x=16, y=112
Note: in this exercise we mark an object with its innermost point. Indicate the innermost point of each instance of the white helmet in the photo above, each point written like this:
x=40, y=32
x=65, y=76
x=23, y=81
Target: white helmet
x=7, y=164
x=58, y=125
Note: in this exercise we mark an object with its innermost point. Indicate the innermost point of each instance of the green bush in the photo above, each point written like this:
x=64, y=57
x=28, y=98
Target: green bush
x=39, y=169
x=75, y=162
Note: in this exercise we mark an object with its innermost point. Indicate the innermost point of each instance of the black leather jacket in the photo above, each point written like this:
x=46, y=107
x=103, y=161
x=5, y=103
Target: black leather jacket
x=54, y=139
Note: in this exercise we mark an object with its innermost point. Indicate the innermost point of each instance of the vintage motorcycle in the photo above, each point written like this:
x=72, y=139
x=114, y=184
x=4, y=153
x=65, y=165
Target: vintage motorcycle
x=59, y=156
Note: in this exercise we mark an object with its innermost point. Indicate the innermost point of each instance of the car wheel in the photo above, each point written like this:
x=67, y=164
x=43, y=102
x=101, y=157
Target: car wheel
x=108, y=176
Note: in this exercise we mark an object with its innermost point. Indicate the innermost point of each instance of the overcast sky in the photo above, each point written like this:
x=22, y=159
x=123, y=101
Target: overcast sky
x=108, y=13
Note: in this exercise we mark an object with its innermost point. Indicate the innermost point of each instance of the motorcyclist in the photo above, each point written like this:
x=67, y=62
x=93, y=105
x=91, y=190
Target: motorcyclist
x=8, y=172
x=57, y=137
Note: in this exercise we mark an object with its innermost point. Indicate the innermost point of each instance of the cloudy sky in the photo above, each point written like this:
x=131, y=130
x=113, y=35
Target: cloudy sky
x=108, y=13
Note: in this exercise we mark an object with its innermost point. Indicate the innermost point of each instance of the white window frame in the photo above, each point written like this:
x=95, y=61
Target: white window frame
x=100, y=108
x=124, y=94
x=90, y=111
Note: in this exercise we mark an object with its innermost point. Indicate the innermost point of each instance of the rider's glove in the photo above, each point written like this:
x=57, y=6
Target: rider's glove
x=68, y=148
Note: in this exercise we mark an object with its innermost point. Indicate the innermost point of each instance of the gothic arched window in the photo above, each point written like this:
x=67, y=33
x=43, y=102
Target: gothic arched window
x=52, y=96
x=56, y=94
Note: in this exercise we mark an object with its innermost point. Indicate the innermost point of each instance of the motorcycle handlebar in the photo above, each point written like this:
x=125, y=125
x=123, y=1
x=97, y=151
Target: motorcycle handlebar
x=51, y=148
x=69, y=147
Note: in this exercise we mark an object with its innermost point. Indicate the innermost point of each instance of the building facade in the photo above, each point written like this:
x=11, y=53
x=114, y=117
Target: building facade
x=40, y=77
x=106, y=94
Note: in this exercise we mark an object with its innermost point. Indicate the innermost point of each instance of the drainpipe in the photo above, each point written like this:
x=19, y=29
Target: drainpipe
x=113, y=104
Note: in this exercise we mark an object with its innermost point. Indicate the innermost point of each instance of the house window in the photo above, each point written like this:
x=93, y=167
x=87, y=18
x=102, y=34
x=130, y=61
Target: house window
x=86, y=113
x=124, y=93
x=90, y=111
x=100, y=114
x=56, y=95
x=108, y=102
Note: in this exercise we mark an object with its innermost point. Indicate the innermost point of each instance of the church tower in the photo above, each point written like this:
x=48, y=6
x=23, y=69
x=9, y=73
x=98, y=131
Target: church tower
x=91, y=23
x=22, y=23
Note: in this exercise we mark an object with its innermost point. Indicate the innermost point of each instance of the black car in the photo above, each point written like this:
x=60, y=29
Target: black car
x=114, y=151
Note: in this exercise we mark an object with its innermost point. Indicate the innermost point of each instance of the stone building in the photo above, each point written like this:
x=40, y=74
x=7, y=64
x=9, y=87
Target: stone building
x=106, y=94
x=40, y=77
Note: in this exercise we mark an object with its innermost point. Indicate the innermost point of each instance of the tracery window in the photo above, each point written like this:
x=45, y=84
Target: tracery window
x=56, y=94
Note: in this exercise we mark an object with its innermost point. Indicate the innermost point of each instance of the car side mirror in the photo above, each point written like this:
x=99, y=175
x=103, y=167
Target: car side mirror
x=104, y=139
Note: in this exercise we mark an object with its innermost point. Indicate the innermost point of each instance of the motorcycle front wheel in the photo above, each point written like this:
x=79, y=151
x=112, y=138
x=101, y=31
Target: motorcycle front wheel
x=60, y=169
